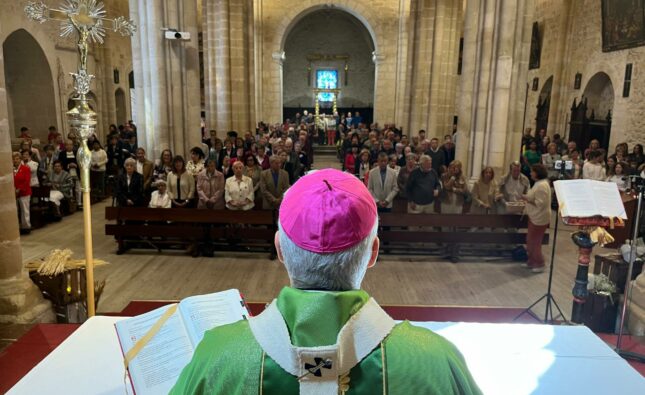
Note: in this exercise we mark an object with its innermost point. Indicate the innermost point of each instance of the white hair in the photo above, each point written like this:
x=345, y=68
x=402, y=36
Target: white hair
x=130, y=161
x=339, y=271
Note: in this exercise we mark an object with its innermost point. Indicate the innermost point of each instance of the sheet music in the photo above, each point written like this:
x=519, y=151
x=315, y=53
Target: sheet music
x=589, y=198
x=576, y=197
x=608, y=199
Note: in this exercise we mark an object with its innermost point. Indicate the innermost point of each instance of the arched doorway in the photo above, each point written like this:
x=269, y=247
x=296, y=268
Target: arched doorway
x=543, y=106
x=591, y=118
x=121, y=111
x=30, y=87
x=328, y=48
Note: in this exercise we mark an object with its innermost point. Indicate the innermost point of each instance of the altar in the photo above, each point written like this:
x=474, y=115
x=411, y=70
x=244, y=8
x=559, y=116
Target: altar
x=503, y=358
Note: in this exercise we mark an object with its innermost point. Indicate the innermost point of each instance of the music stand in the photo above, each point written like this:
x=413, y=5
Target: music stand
x=550, y=299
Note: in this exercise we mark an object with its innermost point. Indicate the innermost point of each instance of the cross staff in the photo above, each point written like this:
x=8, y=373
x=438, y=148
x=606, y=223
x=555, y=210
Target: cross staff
x=86, y=18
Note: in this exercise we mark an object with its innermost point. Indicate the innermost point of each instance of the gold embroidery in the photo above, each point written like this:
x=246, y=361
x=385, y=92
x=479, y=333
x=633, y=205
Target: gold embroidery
x=343, y=383
x=383, y=369
x=262, y=371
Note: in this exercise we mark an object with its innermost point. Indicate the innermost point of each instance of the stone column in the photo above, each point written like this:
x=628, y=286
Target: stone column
x=20, y=300
x=493, y=83
x=166, y=77
x=435, y=32
x=229, y=65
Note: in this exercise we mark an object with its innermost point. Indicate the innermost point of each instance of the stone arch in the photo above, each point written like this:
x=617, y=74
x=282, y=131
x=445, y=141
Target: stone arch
x=121, y=107
x=31, y=95
x=364, y=14
x=600, y=95
x=297, y=14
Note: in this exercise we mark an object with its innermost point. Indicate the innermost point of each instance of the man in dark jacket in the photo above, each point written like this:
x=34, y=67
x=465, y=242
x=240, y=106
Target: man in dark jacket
x=422, y=188
x=437, y=154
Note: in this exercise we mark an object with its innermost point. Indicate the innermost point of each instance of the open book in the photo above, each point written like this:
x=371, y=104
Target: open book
x=157, y=366
x=589, y=198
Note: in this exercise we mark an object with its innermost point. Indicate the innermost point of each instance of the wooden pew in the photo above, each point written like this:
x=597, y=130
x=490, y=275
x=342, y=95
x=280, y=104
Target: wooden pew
x=217, y=229
x=413, y=233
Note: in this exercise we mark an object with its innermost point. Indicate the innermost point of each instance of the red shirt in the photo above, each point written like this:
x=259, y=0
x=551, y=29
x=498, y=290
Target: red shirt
x=21, y=179
x=350, y=163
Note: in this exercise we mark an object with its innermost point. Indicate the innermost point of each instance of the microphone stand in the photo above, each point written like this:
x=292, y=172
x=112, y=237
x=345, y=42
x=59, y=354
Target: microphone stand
x=640, y=186
x=548, y=295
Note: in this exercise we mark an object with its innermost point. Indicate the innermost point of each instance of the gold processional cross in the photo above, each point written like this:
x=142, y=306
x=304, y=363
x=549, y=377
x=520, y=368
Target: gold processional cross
x=86, y=18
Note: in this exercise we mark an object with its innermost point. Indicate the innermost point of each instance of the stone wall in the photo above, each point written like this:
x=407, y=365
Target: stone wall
x=573, y=44
x=312, y=36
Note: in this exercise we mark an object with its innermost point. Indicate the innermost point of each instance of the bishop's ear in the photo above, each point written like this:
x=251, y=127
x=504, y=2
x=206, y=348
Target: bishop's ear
x=375, y=246
x=278, y=249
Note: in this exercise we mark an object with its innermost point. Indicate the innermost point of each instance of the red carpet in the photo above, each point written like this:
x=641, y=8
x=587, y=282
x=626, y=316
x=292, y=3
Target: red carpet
x=19, y=358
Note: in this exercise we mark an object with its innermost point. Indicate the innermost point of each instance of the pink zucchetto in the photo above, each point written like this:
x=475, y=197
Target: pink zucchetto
x=327, y=211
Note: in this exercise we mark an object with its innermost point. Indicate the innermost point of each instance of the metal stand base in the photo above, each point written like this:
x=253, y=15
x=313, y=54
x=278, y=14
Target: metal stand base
x=548, y=295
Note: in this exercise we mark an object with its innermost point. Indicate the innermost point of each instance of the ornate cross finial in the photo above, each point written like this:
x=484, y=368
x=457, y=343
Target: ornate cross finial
x=86, y=18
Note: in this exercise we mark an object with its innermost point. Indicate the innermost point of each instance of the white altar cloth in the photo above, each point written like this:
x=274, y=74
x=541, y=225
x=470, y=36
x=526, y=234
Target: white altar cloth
x=503, y=358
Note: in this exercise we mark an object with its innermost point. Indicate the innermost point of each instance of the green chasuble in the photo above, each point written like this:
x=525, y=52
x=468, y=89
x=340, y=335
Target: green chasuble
x=411, y=360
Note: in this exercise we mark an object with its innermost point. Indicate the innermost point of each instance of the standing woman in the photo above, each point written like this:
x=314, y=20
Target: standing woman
x=181, y=185
x=455, y=189
x=253, y=171
x=538, y=209
x=196, y=163
x=164, y=167
x=238, y=190
x=210, y=188
x=484, y=193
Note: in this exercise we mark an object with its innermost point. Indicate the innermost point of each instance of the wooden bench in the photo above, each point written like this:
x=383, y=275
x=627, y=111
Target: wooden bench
x=420, y=233
x=217, y=229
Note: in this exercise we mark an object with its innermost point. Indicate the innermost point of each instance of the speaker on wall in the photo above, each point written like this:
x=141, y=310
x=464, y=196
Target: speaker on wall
x=628, y=80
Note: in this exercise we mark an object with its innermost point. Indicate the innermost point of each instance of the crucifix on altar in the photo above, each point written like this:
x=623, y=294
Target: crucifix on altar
x=87, y=19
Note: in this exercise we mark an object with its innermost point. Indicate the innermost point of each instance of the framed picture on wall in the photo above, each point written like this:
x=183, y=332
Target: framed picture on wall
x=623, y=24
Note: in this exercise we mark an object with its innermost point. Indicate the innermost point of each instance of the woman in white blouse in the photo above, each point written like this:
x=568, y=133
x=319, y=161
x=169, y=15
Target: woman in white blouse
x=160, y=197
x=238, y=190
x=196, y=163
x=619, y=177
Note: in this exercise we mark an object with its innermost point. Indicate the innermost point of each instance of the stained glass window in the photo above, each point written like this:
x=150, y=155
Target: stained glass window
x=326, y=79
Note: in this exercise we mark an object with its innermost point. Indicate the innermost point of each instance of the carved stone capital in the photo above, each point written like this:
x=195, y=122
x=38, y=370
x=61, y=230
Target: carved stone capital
x=377, y=58
x=279, y=57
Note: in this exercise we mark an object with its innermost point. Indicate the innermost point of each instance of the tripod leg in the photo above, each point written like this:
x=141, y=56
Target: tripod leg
x=528, y=309
x=559, y=310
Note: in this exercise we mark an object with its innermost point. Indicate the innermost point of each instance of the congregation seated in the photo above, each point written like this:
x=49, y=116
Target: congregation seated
x=159, y=197
x=61, y=185
x=129, y=186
